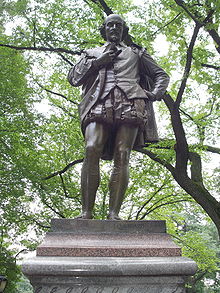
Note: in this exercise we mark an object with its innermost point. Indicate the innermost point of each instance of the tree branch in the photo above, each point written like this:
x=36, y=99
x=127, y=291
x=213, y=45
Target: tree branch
x=181, y=4
x=102, y=4
x=43, y=49
x=188, y=64
x=31, y=218
x=143, y=206
x=164, y=204
x=34, y=37
x=63, y=185
x=181, y=147
x=199, y=122
x=53, y=209
x=198, y=146
x=64, y=169
x=105, y=7
x=166, y=24
x=65, y=59
x=202, y=117
x=206, y=23
x=187, y=115
x=156, y=158
x=61, y=55
x=210, y=66
x=215, y=36
x=196, y=168
x=200, y=194
x=65, y=110
x=199, y=277
x=40, y=225
x=57, y=94
x=212, y=149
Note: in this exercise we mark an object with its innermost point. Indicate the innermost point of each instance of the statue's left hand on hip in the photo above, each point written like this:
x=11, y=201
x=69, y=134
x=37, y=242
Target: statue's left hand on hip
x=151, y=97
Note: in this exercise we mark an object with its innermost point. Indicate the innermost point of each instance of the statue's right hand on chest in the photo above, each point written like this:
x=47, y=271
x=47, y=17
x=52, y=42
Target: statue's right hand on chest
x=107, y=57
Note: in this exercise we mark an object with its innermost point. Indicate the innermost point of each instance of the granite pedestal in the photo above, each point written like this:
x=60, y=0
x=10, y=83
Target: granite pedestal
x=95, y=256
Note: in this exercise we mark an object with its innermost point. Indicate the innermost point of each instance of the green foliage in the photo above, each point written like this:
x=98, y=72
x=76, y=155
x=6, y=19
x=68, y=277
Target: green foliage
x=197, y=248
x=18, y=136
x=200, y=243
x=24, y=286
x=36, y=147
x=8, y=267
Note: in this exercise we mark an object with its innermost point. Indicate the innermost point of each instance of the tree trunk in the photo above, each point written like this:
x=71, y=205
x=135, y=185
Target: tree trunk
x=201, y=196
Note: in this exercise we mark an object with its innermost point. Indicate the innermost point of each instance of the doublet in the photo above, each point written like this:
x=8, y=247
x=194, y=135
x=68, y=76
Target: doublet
x=123, y=73
x=133, y=72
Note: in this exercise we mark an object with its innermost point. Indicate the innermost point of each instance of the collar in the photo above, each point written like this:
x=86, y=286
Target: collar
x=121, y=44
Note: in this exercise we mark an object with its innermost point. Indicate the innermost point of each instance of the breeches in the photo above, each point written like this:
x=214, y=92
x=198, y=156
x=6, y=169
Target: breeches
x=116, y=108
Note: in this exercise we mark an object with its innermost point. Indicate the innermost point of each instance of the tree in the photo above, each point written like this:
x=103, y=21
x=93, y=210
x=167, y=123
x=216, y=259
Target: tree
x=191, y=53
x=42, y=154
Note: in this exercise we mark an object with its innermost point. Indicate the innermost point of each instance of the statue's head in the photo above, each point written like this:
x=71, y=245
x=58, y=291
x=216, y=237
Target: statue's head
x=114, y=28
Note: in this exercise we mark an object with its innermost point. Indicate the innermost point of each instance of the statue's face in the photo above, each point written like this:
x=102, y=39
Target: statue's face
x=114, y=26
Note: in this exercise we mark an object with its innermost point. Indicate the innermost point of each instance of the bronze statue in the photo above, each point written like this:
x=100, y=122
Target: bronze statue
x=119, y=84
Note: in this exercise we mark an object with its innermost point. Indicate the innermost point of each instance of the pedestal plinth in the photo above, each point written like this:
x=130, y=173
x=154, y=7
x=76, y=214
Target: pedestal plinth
x=95, y=256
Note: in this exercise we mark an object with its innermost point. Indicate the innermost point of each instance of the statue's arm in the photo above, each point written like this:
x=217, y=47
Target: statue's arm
x=159, y=77
x=81, y=71
x=88, y=66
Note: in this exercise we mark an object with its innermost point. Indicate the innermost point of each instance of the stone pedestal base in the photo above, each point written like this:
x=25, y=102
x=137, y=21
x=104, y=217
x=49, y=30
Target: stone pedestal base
x=109, y=274
x=86, y=256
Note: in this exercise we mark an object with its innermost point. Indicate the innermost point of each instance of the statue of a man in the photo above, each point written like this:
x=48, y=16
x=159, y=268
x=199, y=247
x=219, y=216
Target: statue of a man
x=119, y=84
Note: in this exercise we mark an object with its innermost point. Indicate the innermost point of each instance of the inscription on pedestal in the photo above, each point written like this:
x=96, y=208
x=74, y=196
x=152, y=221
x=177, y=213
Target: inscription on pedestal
x=146, y=289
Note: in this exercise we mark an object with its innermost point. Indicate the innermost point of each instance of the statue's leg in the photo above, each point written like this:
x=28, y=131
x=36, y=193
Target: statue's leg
x=95, y=138
x=124, y=142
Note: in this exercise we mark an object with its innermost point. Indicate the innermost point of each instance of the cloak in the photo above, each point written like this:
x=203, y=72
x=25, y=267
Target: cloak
x=152, y=78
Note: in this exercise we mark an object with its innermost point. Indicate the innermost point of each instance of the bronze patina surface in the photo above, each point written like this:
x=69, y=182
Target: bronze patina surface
x=119, y=84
